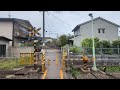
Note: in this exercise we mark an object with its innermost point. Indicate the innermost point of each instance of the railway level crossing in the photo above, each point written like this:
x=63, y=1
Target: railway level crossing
x=53, y=63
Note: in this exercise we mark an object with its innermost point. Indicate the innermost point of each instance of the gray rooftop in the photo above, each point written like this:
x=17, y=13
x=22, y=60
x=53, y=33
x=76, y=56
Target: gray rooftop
x=94, y=20
x=20, y=21
x=5, y=38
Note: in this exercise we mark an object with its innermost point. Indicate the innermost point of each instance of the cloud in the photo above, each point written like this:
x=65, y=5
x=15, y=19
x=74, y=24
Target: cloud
x=68, y=19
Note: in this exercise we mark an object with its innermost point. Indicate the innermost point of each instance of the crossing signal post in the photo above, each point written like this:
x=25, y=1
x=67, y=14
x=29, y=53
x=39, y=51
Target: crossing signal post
x=33, y=34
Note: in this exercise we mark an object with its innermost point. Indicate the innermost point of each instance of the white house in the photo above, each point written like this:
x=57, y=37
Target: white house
x=103, y=29
x=15, y=29
x=12, y=32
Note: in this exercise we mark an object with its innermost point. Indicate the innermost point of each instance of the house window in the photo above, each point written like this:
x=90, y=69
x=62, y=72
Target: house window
x=98, y=30
x=101, y=30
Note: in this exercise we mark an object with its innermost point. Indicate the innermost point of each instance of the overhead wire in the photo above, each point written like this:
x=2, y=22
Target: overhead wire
x=60, y=20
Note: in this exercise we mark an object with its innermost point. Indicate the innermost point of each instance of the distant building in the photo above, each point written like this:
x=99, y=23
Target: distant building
x=49, y=39
x=15, y=29
x=103, y=29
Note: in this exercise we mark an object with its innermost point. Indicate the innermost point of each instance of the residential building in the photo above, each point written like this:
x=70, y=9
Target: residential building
x=103, y=29
x=15, y=29
x=4, y=46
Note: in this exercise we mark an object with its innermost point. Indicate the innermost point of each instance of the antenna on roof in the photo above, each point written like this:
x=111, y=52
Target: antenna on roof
x=9, y=15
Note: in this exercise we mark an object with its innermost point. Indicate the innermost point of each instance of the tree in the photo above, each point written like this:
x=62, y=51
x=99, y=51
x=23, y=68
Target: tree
x=75, y=49
x=105, y=44
x=88, y=42
x=63, y=40
x=70, y=36
x=116, y=43
x=56, y=42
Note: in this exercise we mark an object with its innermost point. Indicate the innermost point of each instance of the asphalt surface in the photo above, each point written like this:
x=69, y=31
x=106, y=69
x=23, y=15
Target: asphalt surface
x=53, y=68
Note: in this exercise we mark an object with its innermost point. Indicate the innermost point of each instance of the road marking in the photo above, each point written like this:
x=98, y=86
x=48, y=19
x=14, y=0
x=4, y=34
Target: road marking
x=45, y=74
x=61, y=74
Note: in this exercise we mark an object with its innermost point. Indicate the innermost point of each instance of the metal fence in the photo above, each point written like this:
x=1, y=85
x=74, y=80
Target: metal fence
x=98, y=51
x=101, y=51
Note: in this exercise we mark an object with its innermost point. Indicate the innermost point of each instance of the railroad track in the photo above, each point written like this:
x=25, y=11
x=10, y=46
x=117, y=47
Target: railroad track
x=112, y=76
x=90, y=73
x=69, y=71
x=102, y=75
x=94, y=75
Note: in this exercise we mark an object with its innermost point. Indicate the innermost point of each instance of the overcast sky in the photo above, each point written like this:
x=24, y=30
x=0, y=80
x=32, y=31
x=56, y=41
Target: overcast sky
x=60, y=22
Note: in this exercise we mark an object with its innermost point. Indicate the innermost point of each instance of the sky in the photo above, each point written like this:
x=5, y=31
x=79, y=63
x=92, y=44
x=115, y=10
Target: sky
x=60, y=22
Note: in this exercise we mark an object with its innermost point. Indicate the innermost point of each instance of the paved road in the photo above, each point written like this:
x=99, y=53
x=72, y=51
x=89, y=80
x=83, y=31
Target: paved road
x=53, y=68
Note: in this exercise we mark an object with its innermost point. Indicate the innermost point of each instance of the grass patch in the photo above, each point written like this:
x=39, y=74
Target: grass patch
x=111, y=68
x=75, y=72
x=11, y=64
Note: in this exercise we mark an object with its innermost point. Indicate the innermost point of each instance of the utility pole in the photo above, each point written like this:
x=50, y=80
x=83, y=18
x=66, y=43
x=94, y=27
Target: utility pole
x=9, y=15
x=93, y=42
x=57, y=36
x=43, y=28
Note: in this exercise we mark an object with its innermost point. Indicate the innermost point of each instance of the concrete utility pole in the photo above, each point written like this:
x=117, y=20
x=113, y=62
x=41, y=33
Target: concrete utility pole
x=43, y=28
x=94, y=61
x=9, y=15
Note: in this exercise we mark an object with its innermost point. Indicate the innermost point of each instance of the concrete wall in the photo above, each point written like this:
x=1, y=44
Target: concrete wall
x=6, y=29
x=15, y=51
x=111, y=31
x=7, y=46
x=16, y=42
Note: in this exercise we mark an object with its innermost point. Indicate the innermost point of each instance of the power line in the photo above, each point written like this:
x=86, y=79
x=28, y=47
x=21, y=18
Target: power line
x=60, y=20
x=49, y=26
x=51, y=20
x=57, y=19
x=48, y=19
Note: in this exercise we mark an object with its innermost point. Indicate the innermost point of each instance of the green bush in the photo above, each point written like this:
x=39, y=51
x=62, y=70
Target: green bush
x=113, y=69
x=88, y=42
x=116, y=43
x=75, y=72
x=75, y=50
